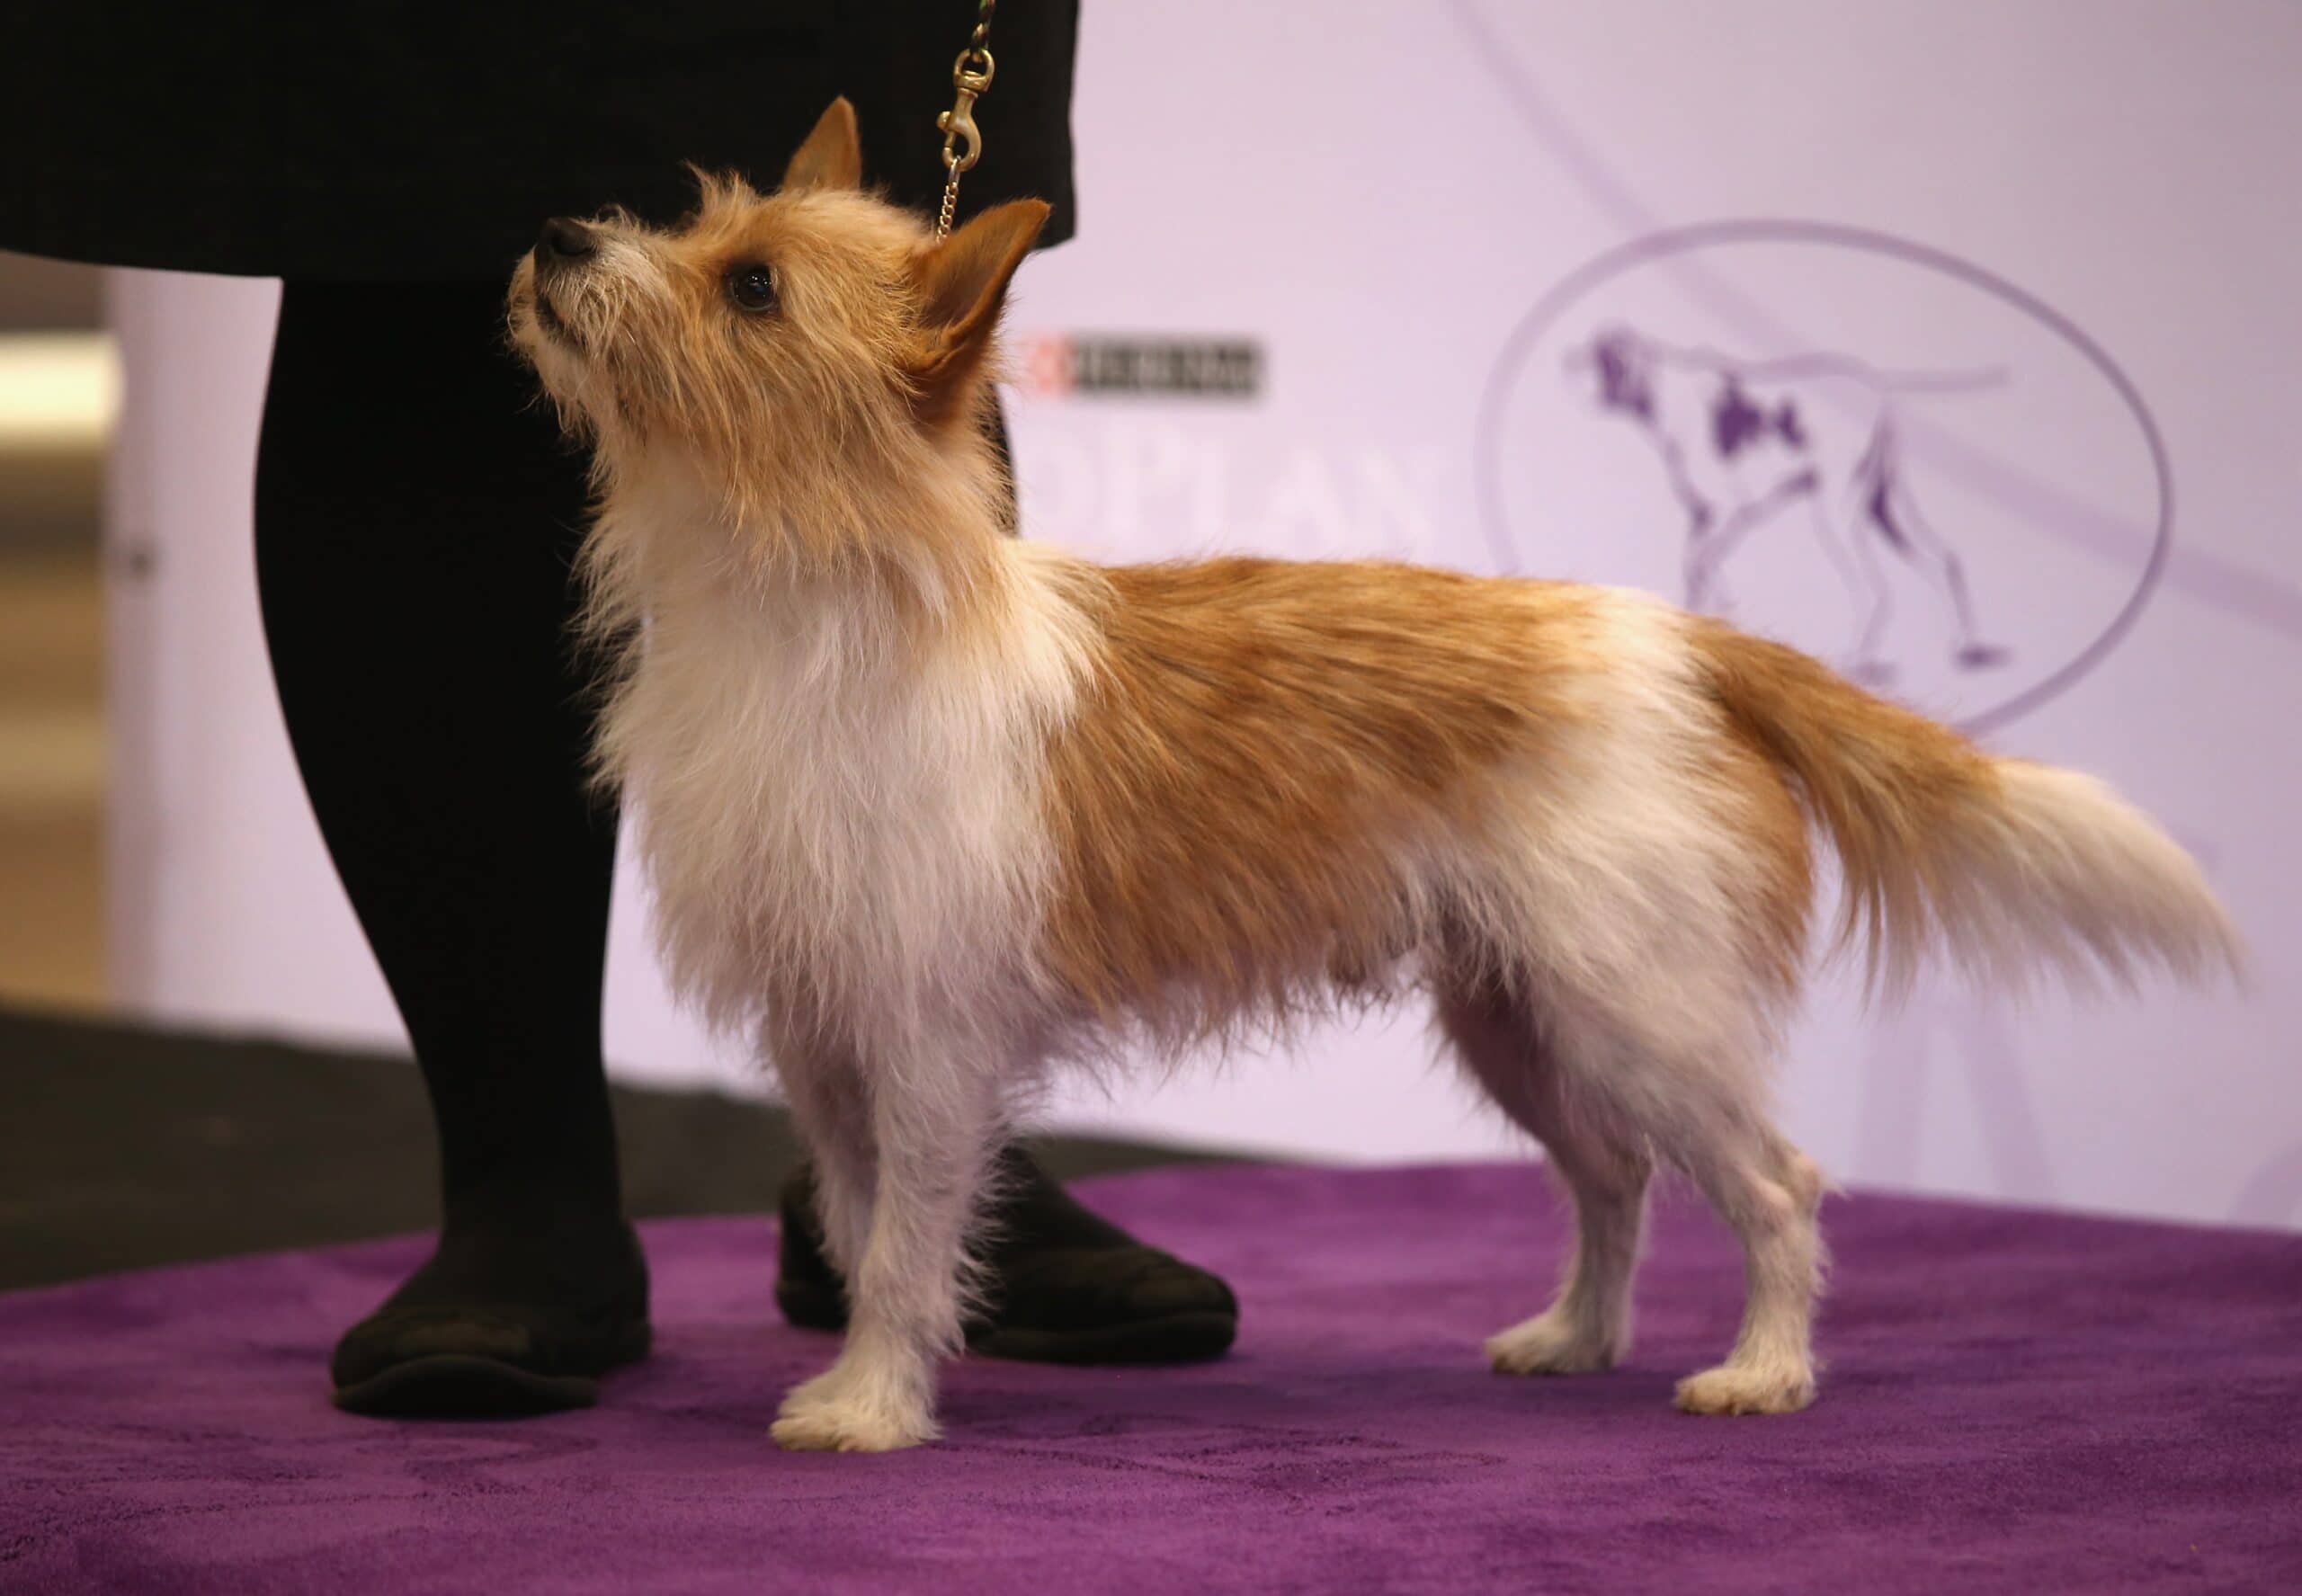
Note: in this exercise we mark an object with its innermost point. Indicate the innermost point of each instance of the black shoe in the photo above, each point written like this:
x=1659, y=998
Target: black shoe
x=504, y=1320
x=1062, y=1285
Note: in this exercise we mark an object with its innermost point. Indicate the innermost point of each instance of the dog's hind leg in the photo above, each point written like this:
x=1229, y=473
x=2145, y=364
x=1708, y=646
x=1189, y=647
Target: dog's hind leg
x=1604, y=1170
x=1653, y=902
x=1768, y=1193
x=934, y=1122
x=1610, y=1097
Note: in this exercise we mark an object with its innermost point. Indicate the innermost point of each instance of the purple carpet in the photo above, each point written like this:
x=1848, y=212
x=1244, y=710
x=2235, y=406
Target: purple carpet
x=2015, y=1402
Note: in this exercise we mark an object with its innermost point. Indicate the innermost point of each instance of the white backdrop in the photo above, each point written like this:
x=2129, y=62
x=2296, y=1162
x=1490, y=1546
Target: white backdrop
x=2049, y=246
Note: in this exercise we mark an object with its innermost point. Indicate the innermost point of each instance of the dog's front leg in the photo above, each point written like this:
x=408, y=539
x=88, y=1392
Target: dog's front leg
x=830, y=1105
x=935, y=1124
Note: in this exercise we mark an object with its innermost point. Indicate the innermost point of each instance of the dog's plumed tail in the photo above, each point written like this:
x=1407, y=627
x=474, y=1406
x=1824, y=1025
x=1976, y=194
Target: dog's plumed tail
x=2009, y=868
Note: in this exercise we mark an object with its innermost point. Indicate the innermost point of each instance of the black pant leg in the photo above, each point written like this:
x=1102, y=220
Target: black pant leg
x=416, y=517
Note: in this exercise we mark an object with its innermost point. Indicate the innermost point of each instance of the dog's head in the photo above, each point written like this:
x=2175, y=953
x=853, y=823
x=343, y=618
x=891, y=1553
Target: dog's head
x=767, y=337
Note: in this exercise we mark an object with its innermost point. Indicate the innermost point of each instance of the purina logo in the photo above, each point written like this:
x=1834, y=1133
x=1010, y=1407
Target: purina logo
x=1058, y=365
x=1868, y=448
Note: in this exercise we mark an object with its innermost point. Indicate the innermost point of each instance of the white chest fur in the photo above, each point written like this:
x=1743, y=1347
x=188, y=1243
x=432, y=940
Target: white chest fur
x=839, y=801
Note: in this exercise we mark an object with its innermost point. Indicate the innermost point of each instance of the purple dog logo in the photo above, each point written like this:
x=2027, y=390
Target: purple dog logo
x=1879, y=453
x=1751, y=445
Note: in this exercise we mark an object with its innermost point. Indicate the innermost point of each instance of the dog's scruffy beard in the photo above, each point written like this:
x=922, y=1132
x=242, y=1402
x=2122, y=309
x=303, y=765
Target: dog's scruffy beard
x=538, y=332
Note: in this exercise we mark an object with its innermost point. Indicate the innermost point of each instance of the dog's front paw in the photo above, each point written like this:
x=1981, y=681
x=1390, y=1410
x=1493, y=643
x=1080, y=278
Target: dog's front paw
x=829, y=1414
x=1550, y=1343
x=1747, y=1388
x=849, y=1427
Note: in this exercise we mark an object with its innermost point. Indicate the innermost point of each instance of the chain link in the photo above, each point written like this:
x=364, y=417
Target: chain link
x=963, y=140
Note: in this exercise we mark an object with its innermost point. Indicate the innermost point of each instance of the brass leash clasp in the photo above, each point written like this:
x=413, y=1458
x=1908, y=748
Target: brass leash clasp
x=962, y=140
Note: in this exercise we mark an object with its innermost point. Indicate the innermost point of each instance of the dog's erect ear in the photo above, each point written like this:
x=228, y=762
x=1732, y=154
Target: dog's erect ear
x=962, y=282
x=830, y=158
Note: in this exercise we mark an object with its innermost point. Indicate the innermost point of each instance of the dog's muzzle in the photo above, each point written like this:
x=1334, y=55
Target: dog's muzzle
x=563, y=247
x=564, y=243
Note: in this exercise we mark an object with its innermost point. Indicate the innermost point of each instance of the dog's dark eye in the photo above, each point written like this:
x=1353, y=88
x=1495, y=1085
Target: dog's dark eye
x=751, y=287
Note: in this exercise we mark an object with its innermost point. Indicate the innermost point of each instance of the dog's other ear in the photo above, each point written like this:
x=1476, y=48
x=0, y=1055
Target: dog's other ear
x=832, y=157
x=962, y=282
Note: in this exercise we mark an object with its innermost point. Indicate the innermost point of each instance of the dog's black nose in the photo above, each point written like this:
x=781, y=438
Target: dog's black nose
x=565, y=239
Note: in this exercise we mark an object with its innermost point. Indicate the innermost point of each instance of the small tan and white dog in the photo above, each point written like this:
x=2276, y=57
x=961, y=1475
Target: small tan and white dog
x=928, y=808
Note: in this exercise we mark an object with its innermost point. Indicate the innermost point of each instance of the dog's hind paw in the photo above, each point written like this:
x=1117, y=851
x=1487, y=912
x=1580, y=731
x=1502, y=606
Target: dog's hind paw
x=1747, y=1388
x=1549, y=1344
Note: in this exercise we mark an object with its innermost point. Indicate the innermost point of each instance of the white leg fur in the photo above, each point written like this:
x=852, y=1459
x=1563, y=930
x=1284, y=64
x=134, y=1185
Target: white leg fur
x=1587, y=1327
x=1606, y=1104
x=935, y=1121
x=830, y=1103
x=1769, y=1192
x=1642, y=1033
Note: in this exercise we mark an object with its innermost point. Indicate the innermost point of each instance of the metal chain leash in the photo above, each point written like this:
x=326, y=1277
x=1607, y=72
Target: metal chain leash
x=963, y=140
